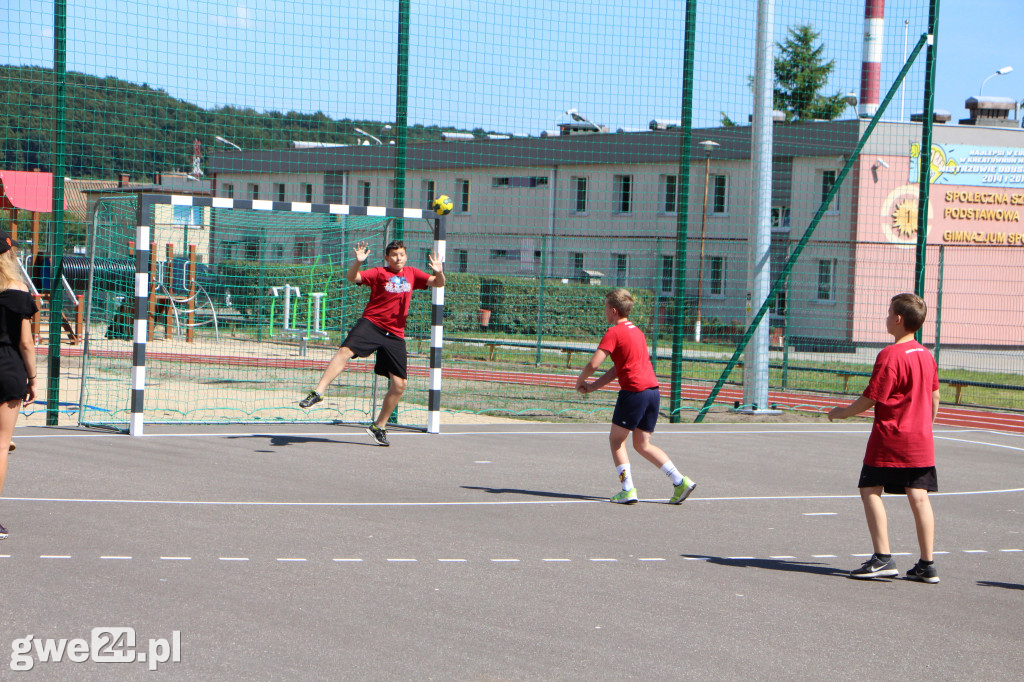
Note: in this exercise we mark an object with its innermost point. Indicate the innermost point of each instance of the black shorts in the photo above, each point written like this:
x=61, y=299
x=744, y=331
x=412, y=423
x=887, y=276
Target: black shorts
x=366, y=337
x=895, y=480
x=637, y=409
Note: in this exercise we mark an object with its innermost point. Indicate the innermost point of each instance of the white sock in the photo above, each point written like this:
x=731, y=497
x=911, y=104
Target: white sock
x=673, y=473
x=625, y=477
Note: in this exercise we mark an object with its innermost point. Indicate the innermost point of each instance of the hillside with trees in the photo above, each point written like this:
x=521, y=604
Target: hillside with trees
x=115, y=126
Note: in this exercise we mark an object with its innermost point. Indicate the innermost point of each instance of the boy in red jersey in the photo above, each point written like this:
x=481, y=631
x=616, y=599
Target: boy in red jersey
x=381, y=329
x=637, y=406
x=900, y=457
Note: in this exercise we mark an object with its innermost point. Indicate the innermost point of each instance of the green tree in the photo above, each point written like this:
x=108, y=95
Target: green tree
x=801, y=73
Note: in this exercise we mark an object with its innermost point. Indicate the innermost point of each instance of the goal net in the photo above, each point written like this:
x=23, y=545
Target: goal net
x=244, y=304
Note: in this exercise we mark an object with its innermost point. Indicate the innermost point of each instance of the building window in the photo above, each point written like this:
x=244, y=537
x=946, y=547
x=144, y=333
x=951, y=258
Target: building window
x=621, y=269
x=279, y=188
x=188, y=215
x=667, y=275
x=719, y=194
x=528, y=181
x=427, y=188
x=364, y=192
x=462, y=187
x=303, y=247
x=254, y=191
x=826, y=280
x=623, y=193
x=229, y=191
x=461, y=260
x=505, y=254
x=714, y=275
x=575, y=262
x=278, y=252
x=828, y=181
x=307, y=191
x=669, y=190
x=780, y=218
x=579, y=188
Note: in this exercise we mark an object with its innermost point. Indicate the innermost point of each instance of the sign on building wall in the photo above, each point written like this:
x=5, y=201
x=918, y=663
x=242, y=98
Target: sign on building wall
x=971, y=165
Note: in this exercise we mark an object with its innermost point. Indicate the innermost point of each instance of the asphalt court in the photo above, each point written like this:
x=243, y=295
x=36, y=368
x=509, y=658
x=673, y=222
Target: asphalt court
x=490, y=552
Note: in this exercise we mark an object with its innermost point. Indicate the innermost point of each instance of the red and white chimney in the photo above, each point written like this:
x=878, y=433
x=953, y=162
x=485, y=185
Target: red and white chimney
x=871, y=67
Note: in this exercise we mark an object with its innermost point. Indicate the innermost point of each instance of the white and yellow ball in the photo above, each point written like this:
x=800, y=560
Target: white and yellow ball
x=442, y=205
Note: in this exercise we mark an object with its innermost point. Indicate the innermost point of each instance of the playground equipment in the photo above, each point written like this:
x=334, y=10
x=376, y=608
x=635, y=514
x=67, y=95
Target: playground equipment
x=315, y=315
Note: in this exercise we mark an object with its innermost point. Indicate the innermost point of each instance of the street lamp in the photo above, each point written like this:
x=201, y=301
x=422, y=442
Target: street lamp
x=372, y=137
x=575, y=115
x=708, y=146
x=1001, y=72
x=227, y=142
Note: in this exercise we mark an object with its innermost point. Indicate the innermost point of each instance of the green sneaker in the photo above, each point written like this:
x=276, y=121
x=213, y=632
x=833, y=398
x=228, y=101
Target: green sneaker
x=682, y=491
x=625, y=497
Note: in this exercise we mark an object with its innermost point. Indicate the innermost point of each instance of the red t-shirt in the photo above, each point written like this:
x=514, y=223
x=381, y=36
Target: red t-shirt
x=390, y=296
x=901, y=384
x=628, y=347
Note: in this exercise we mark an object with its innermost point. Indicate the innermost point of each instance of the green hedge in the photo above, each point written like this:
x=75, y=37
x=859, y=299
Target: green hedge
x=566, y=310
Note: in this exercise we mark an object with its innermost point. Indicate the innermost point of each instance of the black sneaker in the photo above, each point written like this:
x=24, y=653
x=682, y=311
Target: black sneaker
x=379, y=435
x=876, y=568
x=924, y=574
x=3, y=532
x=312, y=399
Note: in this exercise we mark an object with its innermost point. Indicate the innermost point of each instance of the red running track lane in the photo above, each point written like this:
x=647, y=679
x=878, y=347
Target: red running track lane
x=804, y=402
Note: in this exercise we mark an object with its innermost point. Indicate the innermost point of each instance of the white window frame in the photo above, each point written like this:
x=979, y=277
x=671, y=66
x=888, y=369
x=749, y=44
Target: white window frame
x=192, y=216
x=713, y=181
x=580, y=190
x=428, y=192
x=826, y=186
x=826, y=270
x=669, y=195
x=463, y=189
x=666, y=284
x=623, y=194
x=709, y=276
x=621, y=275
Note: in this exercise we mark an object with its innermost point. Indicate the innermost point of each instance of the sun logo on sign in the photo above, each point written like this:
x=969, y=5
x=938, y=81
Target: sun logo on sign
x=904, y=219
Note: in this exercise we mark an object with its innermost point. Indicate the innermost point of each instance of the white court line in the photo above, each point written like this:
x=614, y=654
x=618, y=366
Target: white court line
x=349, y=560
x=650, y=559
x=234, y=558
x=604, y=559
x=821, y=513
x=122, y=558
x=290, y=559
x=402, y=561
x=54, y=556
x=717, y=430
x=783, y=556
x=452, y=561
x=975, y=551
x=505, y=561
x=824, y=556
x=557, y=560
x=175, y=558
x=1011, y=550
x=243, y=503
x=978, y=442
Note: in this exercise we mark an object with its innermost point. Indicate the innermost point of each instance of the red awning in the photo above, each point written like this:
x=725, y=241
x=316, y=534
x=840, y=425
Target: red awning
x=26, y=190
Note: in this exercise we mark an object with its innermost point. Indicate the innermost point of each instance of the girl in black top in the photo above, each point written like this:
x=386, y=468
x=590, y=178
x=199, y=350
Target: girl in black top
x=17, y=350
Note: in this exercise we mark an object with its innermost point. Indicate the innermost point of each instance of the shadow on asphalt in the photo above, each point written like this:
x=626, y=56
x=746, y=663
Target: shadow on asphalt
x=1005, y=586
x=281, y=440
x=773, y=565
x=535, y=493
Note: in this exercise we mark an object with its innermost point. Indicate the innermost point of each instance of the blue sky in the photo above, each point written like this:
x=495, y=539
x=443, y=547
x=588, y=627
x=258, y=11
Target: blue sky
x=512, y=67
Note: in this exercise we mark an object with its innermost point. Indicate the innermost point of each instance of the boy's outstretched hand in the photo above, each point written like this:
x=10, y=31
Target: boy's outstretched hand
x=435, y=262
x=362, y=251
